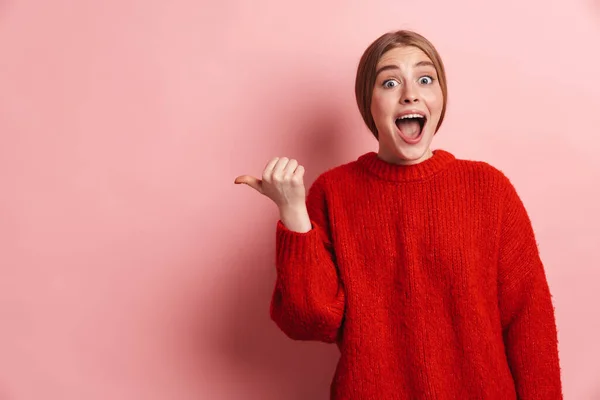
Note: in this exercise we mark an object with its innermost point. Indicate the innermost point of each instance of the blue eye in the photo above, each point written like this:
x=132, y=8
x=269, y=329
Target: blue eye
x=390, y=83
x=426, y=80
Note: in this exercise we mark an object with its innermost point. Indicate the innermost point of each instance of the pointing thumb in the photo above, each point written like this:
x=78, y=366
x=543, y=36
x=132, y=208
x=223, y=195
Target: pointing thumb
x=251, y=181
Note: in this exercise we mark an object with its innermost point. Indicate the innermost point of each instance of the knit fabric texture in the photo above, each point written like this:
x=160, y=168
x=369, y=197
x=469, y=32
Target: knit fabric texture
x=427, y=277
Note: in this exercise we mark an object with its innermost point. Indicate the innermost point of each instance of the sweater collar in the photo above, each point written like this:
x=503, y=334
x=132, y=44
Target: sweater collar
x=402, y=173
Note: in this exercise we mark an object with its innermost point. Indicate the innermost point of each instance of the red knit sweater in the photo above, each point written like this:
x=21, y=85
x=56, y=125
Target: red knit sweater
x=427, y=277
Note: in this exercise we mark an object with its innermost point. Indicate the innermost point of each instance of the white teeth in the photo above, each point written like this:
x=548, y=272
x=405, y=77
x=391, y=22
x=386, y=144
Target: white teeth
x=411, y=116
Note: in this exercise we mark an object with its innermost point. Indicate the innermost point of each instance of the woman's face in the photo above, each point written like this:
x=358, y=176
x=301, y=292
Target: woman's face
x=406, y=105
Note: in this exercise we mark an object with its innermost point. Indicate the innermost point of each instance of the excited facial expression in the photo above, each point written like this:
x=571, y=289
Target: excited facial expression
x=406, y=105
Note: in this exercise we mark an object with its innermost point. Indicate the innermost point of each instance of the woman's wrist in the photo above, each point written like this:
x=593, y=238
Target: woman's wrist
x=295, y=218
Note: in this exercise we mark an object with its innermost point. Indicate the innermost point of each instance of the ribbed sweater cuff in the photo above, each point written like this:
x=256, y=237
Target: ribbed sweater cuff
x=303, y=247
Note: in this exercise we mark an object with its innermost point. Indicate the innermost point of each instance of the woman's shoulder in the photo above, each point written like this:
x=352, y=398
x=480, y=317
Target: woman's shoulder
x=483, y=170
x=335, y=175
x=488, y=178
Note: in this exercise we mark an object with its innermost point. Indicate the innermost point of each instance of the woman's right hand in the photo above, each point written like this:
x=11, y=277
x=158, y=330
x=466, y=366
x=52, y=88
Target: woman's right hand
x=283, y=182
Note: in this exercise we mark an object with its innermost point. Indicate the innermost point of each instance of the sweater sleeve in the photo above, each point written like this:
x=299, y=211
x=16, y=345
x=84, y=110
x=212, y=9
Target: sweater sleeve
x=527, y=312
x=308, y=301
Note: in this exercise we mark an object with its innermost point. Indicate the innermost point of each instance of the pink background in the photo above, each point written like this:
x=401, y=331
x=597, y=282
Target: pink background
x=131, y=267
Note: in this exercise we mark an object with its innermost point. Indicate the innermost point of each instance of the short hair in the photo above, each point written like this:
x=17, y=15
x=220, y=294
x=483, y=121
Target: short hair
x=367, y=69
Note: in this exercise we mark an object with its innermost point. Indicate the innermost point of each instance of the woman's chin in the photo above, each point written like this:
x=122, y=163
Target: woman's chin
x=413, y=153
x=399, y=151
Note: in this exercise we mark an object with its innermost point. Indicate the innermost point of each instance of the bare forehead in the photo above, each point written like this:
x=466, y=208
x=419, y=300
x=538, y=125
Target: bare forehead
x=404, y=56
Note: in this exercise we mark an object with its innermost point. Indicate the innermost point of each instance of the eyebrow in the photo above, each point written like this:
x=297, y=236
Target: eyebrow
x=395, y=67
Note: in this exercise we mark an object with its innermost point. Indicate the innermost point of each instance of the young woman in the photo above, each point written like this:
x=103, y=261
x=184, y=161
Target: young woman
x=422, y=267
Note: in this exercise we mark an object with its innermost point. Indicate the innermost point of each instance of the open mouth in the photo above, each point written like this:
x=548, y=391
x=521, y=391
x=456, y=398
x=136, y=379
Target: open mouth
x=411, y=127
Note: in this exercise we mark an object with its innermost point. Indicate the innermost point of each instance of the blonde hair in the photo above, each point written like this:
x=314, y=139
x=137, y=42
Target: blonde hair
x=367, y=68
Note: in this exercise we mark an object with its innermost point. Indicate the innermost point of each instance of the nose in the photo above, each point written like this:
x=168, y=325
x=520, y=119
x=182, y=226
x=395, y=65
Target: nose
x=409, y=95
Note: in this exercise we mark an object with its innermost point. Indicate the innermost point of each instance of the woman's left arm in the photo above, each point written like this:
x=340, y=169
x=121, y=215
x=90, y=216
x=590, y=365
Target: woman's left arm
x=526, y=309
